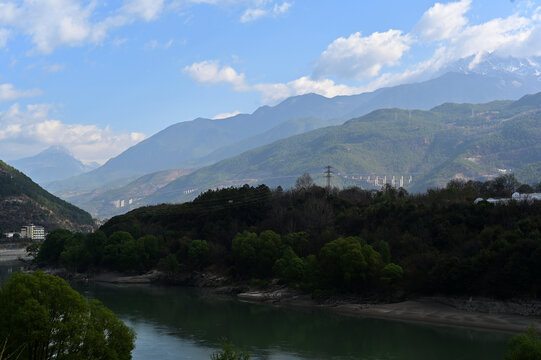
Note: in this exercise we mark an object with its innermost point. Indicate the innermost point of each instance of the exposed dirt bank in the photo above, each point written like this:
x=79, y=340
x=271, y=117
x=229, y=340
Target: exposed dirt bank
x=508, y=316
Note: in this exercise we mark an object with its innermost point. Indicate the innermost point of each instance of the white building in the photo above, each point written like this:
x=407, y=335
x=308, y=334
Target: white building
x=33, y=232
x=516, y=197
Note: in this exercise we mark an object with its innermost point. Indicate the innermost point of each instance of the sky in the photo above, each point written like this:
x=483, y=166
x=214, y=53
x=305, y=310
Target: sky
x=99, y=76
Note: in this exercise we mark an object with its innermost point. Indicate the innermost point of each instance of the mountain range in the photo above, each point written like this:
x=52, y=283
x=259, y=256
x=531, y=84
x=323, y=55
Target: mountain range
x=201, y=142
x=420, y=149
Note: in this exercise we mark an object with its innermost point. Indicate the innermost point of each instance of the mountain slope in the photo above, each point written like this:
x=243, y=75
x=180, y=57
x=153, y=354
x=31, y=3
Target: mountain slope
x=194, y=143
x=24, y=202
x=104, y=203
x=286, y=129
x=54, y=163
x=452, y=140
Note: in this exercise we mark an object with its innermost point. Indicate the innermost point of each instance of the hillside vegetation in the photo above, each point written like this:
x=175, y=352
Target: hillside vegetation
x=354, y=241
x=24, y=202
x=451, y=141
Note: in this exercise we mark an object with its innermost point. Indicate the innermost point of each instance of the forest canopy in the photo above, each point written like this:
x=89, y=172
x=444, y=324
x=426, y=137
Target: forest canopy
x=321, y=240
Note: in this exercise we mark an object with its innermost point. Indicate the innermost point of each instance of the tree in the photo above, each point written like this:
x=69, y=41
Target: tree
x=525, y=346
x=52, y=247
x=170, y=265
x=289, y=267
x=44, y=318
x=229, y=352
x=391, y=274
x=198, y=253
x=349, y=262
x=304, y=182
x=33, y=250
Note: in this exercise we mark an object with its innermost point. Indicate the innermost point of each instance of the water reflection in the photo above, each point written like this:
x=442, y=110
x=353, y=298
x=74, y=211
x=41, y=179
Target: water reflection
x=185, y=323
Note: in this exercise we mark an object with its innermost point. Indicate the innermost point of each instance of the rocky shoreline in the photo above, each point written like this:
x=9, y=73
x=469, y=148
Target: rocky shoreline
x=481, y=313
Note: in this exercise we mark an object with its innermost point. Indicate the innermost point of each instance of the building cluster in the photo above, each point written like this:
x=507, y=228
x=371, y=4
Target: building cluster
x=515, y=197
x=33, y=232
x=380, y=180
x=121, y=203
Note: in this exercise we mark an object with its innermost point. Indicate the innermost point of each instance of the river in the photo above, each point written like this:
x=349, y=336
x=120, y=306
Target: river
x=187, y=323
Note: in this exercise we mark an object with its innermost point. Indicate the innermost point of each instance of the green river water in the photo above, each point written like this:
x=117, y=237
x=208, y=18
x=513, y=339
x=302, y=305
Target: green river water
x=187, y=323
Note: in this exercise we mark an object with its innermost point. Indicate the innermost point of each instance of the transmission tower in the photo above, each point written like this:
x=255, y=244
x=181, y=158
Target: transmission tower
x=328, y=174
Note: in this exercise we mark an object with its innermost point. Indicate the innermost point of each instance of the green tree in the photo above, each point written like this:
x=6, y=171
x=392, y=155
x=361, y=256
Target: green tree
x=298, y=241
x=255, y=255
x=170, y=265
x=348, y=263
x=392, y=274
x=289, y=267
x=244, y=252
x=75, y=254
x=525, y=346
x=52, y=247
x=94, y=244
x=44, y=318
x=198, y=253
x=229, y=352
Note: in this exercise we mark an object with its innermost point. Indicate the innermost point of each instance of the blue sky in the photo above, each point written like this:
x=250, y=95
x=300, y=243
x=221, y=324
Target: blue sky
x=97, y=77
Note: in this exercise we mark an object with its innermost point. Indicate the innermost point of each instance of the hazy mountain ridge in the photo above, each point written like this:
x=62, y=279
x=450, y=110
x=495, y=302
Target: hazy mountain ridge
x=196, y=143
x=24, y=202
x=54, y=163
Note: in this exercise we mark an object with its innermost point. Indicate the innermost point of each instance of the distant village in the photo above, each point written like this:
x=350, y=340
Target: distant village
x=29, y=232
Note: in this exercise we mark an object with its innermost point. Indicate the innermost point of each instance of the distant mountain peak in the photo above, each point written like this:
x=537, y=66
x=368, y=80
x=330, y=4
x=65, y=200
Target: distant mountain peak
x=56, y=149
x=492, y=64
x=54, y=163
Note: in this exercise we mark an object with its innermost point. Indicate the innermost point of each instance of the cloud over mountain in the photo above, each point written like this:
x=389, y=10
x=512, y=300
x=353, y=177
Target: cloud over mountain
x=367, y=62
x=28, y=130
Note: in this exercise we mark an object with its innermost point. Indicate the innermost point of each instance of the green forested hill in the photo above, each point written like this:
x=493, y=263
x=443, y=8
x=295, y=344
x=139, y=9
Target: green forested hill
x=450, y=141
x=23, y=202
x=371, y=243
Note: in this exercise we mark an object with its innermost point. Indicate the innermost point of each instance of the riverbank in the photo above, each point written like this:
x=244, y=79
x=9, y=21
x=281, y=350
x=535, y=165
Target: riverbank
x=8, y=255
x=489, y=314
x=508, y=316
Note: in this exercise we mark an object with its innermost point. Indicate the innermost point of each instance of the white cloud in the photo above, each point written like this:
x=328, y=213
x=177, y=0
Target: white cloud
x=442, y=21
x=9, y=93
x=281, y=9
x=50, y=24
x=252, y=15
x=263, y=10
x=155, y=44
x=226, y=115
x=210, y=72
x=273, y=93
x=28, y=130
x=358, y=57
x=147, y=10
x=54, y=23
x=369, y=60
